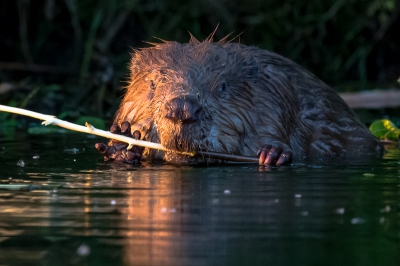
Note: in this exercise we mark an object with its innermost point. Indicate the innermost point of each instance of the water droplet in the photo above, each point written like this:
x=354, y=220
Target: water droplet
x=83, y=250
x=340, y=210
x=357, y=220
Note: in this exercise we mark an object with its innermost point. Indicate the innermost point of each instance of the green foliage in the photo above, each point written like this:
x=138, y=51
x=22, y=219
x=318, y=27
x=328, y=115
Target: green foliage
x=83, y=46
x=7, y=128
x=334, y=38
x=385, y=129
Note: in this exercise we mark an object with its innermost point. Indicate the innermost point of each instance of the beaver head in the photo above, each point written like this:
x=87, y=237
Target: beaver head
x=192, y=96
x=231, y=98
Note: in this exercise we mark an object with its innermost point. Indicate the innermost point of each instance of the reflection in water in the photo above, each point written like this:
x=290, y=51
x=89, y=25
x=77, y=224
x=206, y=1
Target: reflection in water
x=68, y=209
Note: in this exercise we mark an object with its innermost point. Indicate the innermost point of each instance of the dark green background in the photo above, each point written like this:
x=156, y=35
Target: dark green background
x=70, y=57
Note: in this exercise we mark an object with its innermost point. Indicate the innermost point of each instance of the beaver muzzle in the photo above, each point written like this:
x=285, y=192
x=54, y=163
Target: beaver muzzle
x=183, y=109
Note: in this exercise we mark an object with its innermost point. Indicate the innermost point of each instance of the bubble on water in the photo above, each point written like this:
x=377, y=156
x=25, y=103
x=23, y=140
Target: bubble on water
x=276, y=200
x=227, y=192
x=304, y=213
x=83, y=250
x=297, y=195
x=340, y=210
x=381, y=220
x=357, y=220
x=113, y=202
x=164, y=209
x=21, y=163
x=172, y=210
x=36, y=157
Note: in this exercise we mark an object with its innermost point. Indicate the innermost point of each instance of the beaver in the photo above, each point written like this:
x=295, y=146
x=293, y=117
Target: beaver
x=231, y=98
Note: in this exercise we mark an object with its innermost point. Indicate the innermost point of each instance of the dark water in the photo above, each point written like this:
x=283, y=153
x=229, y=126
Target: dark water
x=62, y=205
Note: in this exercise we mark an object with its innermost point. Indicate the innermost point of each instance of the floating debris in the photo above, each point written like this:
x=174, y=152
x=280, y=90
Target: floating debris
x=369, y=174
x=72, y=151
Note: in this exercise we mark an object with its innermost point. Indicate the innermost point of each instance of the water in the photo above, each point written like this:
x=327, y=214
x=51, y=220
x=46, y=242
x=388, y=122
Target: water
x=61, y=204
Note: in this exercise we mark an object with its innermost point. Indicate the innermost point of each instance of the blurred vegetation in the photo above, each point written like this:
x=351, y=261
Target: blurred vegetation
x=70, y=57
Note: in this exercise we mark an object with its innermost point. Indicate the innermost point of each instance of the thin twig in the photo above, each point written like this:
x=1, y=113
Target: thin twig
x=89, y=129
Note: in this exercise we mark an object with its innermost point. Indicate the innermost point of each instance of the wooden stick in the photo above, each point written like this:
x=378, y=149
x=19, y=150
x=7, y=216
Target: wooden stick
x=89, y=129
x=227, y=157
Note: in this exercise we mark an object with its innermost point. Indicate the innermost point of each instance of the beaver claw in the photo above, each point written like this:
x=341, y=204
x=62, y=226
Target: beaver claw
x=117, y=150
x=274, y=156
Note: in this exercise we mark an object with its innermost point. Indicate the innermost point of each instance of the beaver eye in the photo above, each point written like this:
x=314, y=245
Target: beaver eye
x=221, y=87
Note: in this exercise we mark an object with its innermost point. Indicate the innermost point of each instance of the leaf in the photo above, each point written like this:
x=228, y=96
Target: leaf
x=385, y=129
x=94, y=121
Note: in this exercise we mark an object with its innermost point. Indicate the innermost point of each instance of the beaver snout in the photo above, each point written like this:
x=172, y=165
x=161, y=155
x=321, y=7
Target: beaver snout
x=183, y=109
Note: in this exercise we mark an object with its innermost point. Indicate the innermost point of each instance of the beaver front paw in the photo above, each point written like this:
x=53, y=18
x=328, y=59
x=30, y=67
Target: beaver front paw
x=274, y=156
x=117, y=150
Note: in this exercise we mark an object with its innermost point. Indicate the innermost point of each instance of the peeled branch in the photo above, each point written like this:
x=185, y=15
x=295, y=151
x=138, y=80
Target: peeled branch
x=89, y=129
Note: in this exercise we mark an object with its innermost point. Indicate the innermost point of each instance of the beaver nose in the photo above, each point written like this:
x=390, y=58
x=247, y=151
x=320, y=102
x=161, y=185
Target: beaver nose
x=183, y=109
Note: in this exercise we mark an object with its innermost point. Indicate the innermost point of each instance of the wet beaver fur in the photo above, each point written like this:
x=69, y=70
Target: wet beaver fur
x=231, y=98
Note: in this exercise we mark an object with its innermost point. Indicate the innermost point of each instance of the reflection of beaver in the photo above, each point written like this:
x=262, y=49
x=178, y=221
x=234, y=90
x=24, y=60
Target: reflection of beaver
x=235, y=99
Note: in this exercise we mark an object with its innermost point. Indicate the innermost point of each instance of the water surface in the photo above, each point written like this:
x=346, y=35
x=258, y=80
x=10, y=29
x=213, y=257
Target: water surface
x=61, y=204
